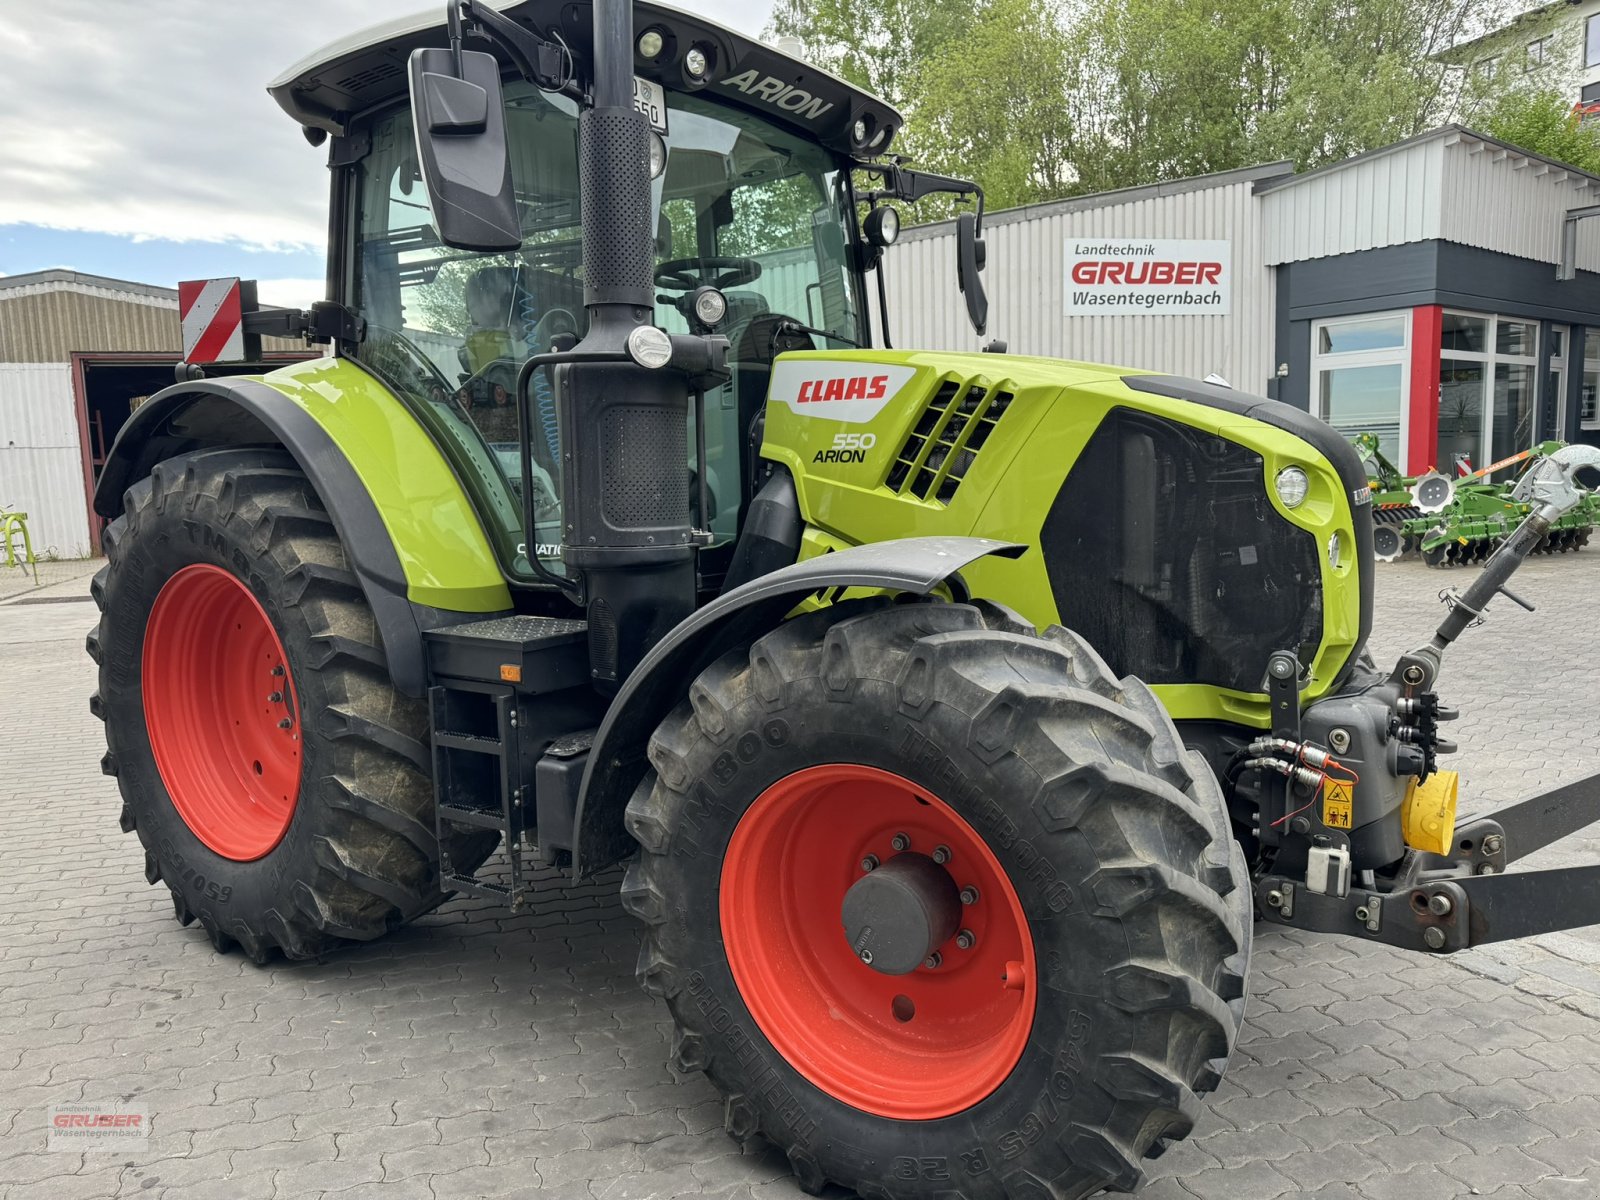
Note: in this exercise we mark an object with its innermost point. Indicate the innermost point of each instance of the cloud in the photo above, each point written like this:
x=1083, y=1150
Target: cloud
x=152, y=120
x=291, y=293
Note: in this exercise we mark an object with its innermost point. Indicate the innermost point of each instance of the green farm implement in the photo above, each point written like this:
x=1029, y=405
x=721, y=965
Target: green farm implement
x=1453, y=522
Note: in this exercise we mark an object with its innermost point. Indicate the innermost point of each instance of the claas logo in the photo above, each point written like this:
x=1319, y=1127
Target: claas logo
x=852, y=387
x=1093, y=271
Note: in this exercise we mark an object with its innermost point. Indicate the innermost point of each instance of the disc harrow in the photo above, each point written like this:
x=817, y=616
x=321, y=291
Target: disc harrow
x=1460, y=522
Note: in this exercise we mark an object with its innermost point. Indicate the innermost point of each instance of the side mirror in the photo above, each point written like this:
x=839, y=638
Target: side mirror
x=969, y=263
x=459, y=116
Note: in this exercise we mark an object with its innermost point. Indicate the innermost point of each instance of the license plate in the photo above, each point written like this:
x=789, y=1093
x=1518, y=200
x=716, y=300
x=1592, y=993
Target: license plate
x=651, y=99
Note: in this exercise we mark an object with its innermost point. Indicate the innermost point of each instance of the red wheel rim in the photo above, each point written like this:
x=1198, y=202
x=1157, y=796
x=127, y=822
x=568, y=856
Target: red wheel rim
x=912, y=1047
x=222, y=713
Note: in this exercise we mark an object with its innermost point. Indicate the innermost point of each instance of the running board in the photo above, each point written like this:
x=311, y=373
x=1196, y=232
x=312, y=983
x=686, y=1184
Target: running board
x=510, y=705
x=1440, y=904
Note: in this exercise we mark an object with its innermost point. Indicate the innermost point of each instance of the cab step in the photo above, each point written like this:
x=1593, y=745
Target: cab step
x=512, y=717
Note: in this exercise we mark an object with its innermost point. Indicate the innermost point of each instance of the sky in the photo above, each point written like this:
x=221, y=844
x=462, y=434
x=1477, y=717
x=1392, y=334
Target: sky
x=137, y=139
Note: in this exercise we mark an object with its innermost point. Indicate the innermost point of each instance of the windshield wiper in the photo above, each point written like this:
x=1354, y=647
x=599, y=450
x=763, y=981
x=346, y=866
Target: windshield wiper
x=787, y=326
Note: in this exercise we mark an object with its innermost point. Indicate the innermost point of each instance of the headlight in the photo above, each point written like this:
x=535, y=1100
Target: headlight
x=649, y=347
x=882, y=226
x=710, y=306
x=1292, y=484
x=1335, y=549
x=650, y=44
x=695, y=63
x=658, y=156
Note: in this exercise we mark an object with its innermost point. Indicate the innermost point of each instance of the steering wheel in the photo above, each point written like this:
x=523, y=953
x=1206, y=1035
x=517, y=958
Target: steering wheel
x=686, y=274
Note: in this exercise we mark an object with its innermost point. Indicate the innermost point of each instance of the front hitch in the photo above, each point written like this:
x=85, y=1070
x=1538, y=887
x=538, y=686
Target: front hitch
x=1455, y=894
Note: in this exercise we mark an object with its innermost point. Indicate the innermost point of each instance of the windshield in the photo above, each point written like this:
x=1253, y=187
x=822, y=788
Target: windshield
x=758, y=212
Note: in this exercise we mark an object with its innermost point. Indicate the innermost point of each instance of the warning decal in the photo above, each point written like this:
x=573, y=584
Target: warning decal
x=1338, y=803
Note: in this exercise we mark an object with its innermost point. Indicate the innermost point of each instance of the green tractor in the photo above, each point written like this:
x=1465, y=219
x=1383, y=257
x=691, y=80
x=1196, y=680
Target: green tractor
x=954, y=714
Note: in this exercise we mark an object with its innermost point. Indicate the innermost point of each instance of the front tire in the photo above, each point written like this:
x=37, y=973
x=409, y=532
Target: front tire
x=961, y=727
x=280, y=785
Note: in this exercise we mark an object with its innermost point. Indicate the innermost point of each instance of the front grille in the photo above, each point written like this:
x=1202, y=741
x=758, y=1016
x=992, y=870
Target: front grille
x=1165, y=553
x=945, y=441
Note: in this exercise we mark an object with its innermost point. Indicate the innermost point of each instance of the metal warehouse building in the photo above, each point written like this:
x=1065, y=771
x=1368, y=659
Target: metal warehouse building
x=1412, y=291
x=77, y=354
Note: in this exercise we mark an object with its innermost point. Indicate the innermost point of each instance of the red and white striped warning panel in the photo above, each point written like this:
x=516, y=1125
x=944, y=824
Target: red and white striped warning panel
x=213, y=320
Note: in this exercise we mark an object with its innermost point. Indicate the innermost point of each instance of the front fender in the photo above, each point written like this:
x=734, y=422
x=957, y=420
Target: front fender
x=617, y=760
x=412, y=538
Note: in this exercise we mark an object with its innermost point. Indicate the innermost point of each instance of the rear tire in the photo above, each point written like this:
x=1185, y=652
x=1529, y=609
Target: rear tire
x=356, y=853
x=1113, y=837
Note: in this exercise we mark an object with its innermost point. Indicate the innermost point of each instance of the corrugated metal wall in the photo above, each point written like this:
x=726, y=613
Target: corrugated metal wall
x=1513, y=204
x=1388, y=199
x=1448, y=185
x=41, y=326
x=41, y=463
x=1025, y=279
x=49, y=322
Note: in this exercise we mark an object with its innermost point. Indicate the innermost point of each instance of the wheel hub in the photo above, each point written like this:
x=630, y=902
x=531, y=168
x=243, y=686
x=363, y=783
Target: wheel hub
x=222, y=713
x=840, y=863
x=899, y=914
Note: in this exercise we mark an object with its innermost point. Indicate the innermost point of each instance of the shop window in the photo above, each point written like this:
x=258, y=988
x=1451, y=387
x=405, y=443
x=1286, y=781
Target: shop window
x=1349, y=337
x=1460, y=332
x=1488, y=371
x=1589, y=412
x=1359, y=368
x=1516, y=338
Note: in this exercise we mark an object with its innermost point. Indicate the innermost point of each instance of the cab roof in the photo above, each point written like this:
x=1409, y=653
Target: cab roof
x=337, y=85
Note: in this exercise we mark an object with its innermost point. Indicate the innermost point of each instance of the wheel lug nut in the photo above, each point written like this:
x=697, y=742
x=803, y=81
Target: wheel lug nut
x=933, y=960
x=966, y=940
x=869, y=863
x=285, y=723
x=278, y=670
x=969, y=895
x=941, y=854
x=275, y=698
x=900, y=842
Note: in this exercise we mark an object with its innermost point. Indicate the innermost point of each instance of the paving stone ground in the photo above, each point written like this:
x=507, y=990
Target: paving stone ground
x=476, y=1054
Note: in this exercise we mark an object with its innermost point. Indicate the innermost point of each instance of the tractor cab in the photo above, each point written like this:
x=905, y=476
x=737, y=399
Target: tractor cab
x=752, y=234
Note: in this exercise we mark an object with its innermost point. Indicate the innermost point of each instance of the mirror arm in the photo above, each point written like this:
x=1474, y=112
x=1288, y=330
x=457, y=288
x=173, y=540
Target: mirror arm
x=540, y=61
x=907, y=186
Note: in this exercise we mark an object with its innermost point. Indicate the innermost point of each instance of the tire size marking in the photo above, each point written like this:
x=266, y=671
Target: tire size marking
x=1062, y=1087
x=765, y=1083
x=205, y=888
x=986, y=811
x=936, y=1169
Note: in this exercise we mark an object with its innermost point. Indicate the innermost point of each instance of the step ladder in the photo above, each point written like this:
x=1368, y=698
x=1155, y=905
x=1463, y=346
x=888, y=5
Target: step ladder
x=506, y=694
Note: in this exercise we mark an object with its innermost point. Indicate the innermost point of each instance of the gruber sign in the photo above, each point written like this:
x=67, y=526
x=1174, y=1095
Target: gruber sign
x=1141, y=277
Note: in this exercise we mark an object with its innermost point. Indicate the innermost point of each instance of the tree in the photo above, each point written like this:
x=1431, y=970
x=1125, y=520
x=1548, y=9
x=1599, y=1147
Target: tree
x=992, y=103
x=1037, y=99
x=1544, y=122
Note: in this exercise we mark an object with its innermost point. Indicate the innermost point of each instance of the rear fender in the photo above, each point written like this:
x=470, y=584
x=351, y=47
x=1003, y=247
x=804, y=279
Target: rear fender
x=393, y=554
x=617, y=760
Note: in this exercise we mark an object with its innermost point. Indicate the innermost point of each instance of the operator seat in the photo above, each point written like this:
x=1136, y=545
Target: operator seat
x=750, y=355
